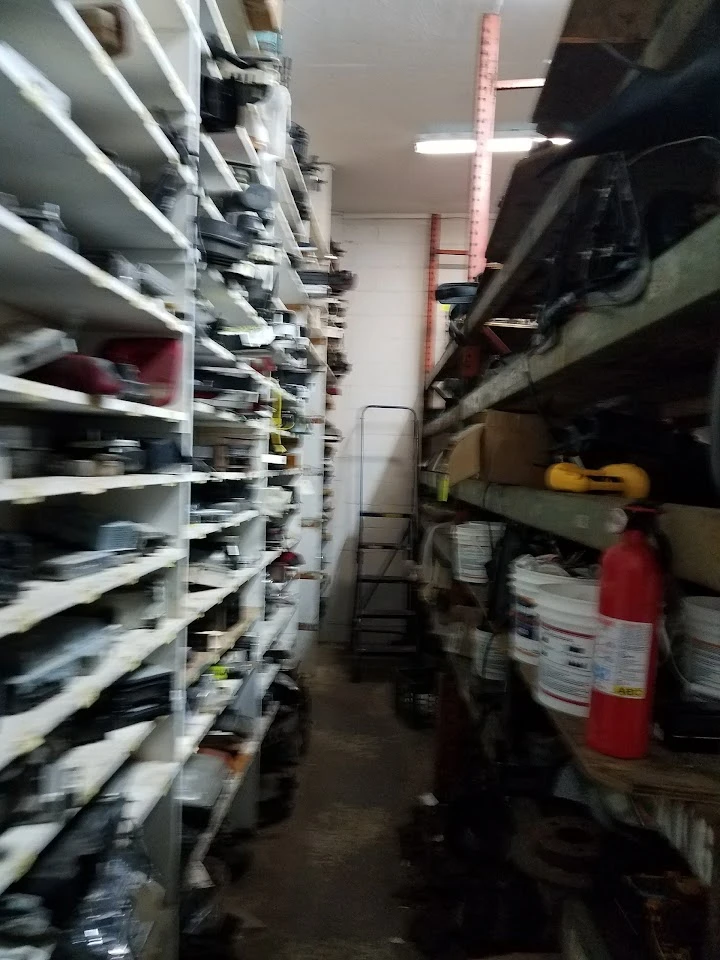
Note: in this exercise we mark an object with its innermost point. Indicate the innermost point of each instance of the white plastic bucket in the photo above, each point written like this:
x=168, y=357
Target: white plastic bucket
x=701, y=659
x=525, y=582
x=474, y=544
x=490, y=655
x=568, y=619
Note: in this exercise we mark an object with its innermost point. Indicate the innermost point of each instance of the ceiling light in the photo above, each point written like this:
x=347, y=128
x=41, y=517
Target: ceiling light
x=446, y=146
x=532, y=84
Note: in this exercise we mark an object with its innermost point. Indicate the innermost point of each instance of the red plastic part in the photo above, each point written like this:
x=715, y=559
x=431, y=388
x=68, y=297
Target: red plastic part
x=78, y=372
x=631, y=590
x=158, y=360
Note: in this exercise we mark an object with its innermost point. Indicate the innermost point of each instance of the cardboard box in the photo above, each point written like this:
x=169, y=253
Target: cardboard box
x=463, y=459
x=515, y=449
x=511, y=448
x=264, y=14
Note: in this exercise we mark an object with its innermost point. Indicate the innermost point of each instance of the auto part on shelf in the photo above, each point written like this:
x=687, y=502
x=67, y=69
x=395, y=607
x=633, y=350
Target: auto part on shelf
x=300, y=141
x=63, y=874
x=82, y=528
x=201, y=783
x=562, y=850
x=38, y=664
x=45, y=217
x=601, y=258
x=158, y=362
x=222, y=245
x=82, y=373
x=653, y=110
x=145, y=694
x=68, y=566
x=15, y=565
x=167, y=189
x=24, y=350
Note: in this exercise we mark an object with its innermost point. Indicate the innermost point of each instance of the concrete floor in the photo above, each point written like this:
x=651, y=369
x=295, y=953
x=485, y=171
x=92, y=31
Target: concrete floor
x=323, y=882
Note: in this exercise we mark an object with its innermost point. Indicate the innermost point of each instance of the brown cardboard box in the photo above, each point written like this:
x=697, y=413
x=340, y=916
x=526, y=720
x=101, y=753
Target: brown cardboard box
x=463, y=459
x=264, y=14
x=514, y=449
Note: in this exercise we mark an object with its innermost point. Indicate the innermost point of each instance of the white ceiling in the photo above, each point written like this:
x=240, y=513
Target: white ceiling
x=370, y=75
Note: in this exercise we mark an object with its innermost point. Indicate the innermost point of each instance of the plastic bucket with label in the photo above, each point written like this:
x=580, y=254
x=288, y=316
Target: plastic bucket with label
x=525, y=582
x=568, y=623
x=701, y=658
x=474, y=543
x=490, y=655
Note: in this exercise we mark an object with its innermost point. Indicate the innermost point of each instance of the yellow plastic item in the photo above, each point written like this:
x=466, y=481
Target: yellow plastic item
x=623, y=479
x=275, y=439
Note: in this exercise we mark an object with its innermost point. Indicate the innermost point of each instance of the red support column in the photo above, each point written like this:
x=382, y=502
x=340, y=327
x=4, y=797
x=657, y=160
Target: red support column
x=485, y=95
x=431, y=285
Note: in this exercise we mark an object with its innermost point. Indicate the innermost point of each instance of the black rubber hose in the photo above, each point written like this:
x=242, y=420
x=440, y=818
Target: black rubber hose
x=715, y=425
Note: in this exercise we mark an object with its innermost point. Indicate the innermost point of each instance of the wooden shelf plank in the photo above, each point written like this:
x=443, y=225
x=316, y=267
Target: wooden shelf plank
x=683, y=283
x=694, y=532
x=690, y=777
x=681, y=21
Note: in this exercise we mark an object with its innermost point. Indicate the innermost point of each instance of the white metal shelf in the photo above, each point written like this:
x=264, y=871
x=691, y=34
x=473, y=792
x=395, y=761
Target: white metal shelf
x=147, y=68
x=219, y=475
x=79, y=178
x=236, y=146
x=267, y=675
x=295, y=177
x=28, y=393
x=225, y=644
x=232, y=785
x=289, y=243
x=212, y=22
x=42, y=276
x=41, y=599
x=92, y=765
x=198, y=725
x=288, y=205
x=217, y=177
x=322, y=243
x=23, y=732
x=170, y=16
x=238, y=25
x=198, y=531
x=290, y=288
x=271, y=629
x=104, y=104
x=230, y=306
x=142, y=785
x=205, y=415
x=35, y=489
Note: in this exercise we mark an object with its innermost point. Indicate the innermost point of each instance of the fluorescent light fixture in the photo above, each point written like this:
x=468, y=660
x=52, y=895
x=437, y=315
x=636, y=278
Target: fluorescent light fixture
x=449, y=146
x=511, y=144
x=532, y=84
x=446, y=146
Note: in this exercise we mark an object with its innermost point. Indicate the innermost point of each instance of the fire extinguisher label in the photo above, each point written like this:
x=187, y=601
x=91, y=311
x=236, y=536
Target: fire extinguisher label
x=622, y=655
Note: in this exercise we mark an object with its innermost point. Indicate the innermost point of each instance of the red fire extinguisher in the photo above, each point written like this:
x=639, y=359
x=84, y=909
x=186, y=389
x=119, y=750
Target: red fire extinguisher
x=625, y=657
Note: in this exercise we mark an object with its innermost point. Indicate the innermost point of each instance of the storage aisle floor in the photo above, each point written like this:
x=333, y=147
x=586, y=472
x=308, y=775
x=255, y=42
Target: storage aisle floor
x=323, y=882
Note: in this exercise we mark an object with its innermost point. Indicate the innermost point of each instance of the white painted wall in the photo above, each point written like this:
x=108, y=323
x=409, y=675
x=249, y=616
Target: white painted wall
x=384, y=341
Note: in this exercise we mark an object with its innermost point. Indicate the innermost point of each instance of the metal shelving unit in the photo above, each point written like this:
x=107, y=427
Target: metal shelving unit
x=658, y=350
x=121, y=107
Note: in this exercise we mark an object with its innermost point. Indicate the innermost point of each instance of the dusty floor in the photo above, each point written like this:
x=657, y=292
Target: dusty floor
x=323, y=882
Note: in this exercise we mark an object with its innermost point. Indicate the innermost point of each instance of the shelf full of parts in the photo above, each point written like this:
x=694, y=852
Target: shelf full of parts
x=154, y=385
x=578, y=394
